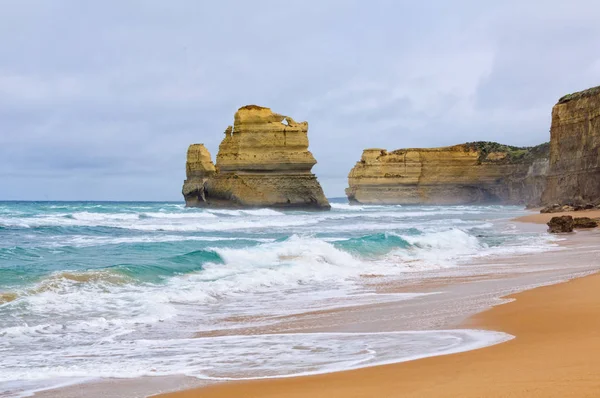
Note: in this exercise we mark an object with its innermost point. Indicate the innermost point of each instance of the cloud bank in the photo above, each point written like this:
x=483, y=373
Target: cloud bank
x=99, y=100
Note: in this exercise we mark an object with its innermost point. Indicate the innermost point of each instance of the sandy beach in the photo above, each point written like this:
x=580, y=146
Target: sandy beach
x=554, y=354
x=543, y=218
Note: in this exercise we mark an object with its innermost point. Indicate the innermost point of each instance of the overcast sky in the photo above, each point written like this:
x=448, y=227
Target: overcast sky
x=99, y=100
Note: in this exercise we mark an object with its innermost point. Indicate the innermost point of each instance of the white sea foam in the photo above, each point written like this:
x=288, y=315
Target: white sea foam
x=173, y=222
x=249, y=212
x=242, y=357
x=351, y=207
x=176, y=218
x=86, y=241
x=99, y=217
x=180, y=216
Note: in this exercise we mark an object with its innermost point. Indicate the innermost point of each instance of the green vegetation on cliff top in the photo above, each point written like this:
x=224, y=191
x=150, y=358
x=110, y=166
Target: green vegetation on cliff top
x=580, y=94
x=514, y=154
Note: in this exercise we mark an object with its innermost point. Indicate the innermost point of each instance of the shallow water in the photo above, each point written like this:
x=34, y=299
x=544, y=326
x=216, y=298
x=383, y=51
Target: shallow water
x=119, y=289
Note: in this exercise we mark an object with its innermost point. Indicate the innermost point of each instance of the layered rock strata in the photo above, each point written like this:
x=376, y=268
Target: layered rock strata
x=477, y=172
x=574, y=173
x=263, y=161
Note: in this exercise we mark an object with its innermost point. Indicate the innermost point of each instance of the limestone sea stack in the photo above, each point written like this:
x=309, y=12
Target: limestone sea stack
x=574, y=173
x=263, y=161
x=477, y=172
x=198, y=169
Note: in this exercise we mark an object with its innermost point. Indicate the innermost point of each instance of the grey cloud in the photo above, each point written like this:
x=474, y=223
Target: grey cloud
x=99, y=100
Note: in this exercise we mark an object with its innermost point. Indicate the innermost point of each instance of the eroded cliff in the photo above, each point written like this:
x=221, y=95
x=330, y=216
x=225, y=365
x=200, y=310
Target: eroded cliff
x=574, y=174
x=477, y=172
x=262, y=161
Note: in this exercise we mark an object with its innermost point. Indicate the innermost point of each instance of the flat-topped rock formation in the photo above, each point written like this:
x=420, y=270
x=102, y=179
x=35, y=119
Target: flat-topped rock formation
x=263, y=161
x=478, y=172
x=574, y=173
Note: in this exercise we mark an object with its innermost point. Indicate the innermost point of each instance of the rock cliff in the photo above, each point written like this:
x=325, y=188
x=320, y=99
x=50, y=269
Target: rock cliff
x=469, y=173
x=263, y=161
x=574, y=174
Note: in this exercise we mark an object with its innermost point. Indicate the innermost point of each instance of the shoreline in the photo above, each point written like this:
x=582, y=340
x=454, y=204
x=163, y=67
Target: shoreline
x=543, y=218
x=556, y=329
x=533, y=357
x=497, y=283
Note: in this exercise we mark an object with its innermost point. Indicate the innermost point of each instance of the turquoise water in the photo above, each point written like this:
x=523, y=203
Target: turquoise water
x=110, y=281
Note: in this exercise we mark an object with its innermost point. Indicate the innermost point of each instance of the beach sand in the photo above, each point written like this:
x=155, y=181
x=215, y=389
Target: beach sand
x=556, y=353
x=539, y=218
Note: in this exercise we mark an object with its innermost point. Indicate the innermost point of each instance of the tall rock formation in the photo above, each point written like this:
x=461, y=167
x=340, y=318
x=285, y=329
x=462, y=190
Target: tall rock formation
x=475, y=172
x=198, y=169
x=263, y=161
x=574, y=175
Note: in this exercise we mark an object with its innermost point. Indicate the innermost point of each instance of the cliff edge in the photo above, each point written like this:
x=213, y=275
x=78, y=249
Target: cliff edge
x=263, y=161
x=477, y=172
x=574, y=173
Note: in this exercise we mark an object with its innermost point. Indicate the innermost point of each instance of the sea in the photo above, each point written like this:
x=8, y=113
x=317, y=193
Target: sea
x=121, y=290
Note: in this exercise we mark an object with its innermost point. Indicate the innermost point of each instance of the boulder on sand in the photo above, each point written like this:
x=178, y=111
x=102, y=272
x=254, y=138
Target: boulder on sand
x=560, y=224
x=584, y=222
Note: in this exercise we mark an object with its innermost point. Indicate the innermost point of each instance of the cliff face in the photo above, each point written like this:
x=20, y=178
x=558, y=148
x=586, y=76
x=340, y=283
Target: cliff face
x=574, y=174
x=462, y=174
x=262, y=161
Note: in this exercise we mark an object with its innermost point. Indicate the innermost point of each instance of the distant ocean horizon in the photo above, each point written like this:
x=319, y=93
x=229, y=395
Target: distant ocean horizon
x=102, y=289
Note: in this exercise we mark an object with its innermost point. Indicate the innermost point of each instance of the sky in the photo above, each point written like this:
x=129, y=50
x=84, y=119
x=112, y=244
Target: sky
x=100, y=100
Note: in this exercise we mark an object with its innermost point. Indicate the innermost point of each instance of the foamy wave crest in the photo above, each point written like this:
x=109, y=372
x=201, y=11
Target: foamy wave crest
x=296, y=260
x=242, y=357
x=180, y=216
x=437, y=249
x=230, y=224
x=107, y=301
x=85, y=241
x=250, y=212
x=87, y=216
x=213, y=220
x=14, y=222
x=348, y=207
x=83, y=305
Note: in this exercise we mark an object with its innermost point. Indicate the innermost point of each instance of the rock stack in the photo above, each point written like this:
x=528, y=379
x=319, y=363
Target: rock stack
x=198, y=169
x=263, y=161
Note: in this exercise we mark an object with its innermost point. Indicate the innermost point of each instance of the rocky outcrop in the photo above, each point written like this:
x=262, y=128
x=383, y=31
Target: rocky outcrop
x=561, y=224
x=584, y=222
x=477, y=172
x=198, y=169
x=558, y=208
x=263, y=161
x=574, y=173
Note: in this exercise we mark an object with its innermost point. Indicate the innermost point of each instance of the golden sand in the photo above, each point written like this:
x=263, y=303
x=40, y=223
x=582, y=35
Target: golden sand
x=539, y=218
x=556, y=353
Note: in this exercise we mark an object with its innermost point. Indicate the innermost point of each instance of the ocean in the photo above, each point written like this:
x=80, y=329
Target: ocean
x=94, y=290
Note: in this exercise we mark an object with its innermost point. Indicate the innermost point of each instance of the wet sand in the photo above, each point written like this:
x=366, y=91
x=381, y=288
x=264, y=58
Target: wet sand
x=555, y=354
x=539, y=218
